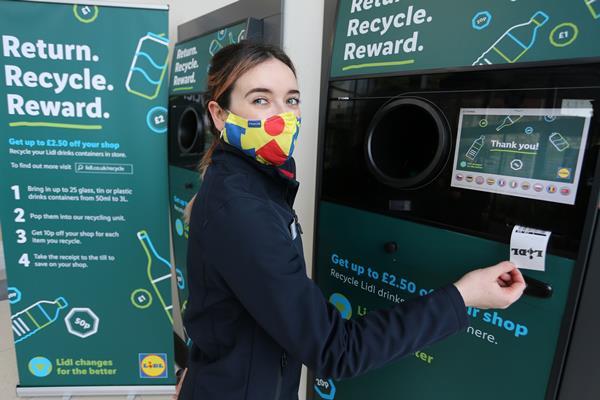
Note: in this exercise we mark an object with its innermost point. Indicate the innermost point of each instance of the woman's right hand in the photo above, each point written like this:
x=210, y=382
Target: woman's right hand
x=492, y=287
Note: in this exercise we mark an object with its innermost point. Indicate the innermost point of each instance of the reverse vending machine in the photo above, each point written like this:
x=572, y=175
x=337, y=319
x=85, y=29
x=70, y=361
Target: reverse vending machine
x=455, y=135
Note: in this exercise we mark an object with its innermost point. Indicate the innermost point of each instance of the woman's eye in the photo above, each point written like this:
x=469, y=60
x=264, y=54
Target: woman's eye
x=260, y=101
x=294, y=101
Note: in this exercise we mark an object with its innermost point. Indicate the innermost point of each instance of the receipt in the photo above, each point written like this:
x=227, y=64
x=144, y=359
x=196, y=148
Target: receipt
x=528, y=247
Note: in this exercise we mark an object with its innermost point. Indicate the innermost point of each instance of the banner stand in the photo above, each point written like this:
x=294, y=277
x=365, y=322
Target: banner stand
x=106, y=3
x=84, y=197
x=67, y=391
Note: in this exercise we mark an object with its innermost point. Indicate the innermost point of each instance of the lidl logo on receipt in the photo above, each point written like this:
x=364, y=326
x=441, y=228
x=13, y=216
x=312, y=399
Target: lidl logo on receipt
x=153, y=365
x=528, y=247
x=528, y=252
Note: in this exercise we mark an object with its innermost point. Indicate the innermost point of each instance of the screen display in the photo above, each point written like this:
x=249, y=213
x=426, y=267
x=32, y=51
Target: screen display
x=532, y=153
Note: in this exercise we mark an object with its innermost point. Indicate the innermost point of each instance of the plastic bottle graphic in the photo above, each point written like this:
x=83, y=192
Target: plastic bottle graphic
x=475, y=148
x=515, y=42
x=159, y=273
x=594, y=6
x=36, y=317
x=508, y=121
x=148, y=66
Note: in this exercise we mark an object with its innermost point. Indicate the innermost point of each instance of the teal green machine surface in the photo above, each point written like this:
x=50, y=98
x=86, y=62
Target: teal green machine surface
x=83, y=121
x=445, y=125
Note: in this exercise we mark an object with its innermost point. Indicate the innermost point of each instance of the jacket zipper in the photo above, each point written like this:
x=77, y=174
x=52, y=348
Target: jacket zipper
x=283, y=364
x=297, y=223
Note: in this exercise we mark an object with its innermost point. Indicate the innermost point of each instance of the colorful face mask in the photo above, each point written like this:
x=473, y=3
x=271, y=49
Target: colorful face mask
x=270, y=141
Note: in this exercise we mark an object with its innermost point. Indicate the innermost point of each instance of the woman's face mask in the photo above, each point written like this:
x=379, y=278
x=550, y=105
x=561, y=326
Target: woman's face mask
x=270, y=141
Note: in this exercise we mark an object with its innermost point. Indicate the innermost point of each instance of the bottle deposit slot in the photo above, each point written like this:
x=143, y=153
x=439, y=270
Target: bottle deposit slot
x=408, y=142
x=190, y=136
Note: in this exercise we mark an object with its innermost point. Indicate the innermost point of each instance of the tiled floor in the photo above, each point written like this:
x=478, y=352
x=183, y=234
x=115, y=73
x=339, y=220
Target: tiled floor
x=8, y=365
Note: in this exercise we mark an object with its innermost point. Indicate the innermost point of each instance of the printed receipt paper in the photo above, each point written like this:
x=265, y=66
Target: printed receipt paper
x=528, y=248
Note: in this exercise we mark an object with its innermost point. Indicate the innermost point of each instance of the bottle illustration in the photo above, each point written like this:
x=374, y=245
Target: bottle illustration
x=148, y=66
x=594, y=7
x=508, y=121
x=475, y=148
x=159, y=273
x=214, y=47
x=558, y=141
x=241, y=35
x=515, y=42
x=36, y=317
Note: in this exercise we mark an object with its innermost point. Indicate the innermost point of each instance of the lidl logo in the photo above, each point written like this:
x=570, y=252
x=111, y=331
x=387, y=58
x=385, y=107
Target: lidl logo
x=153, y=365
x=564, y=173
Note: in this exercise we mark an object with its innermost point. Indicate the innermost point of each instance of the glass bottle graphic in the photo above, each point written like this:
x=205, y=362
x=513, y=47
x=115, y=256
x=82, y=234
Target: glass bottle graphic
x=508, y=121
x=594, y=7
x=515, y=42
x=36, y=317
x=159, y=273
x=148, y=66
x=475, y=148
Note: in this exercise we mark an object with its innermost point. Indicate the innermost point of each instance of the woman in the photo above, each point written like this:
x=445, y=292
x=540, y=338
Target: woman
x=253, y=315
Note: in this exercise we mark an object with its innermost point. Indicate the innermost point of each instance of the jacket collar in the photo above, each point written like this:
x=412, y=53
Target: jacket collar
x=280, y=180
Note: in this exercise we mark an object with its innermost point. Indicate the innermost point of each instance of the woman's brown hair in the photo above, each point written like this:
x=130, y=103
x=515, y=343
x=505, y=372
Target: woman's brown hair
x=226, y=66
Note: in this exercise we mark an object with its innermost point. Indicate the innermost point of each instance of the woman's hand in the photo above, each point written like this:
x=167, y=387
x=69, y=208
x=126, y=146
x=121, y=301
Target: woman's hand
x=493, y=287
x=179, y=383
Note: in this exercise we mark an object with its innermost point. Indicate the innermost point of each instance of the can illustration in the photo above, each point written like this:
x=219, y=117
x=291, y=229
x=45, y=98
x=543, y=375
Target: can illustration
x=148, y=66
x=558, y=141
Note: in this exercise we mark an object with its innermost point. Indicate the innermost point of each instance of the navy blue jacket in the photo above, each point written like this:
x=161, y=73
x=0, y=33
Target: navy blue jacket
x=253, y=314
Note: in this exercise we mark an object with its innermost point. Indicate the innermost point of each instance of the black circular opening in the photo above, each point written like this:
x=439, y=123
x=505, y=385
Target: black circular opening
x=407, y=143
x=189, y=131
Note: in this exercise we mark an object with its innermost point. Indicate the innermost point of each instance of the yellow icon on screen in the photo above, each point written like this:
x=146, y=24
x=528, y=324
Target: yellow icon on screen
x=564, y=173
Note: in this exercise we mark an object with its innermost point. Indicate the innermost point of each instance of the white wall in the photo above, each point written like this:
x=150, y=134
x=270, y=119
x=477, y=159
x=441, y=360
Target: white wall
x=181, y=11
x=302, y=40
x=303, y=31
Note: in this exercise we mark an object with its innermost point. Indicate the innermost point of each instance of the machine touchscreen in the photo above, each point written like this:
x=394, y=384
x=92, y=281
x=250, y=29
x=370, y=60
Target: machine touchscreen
x=532, y=153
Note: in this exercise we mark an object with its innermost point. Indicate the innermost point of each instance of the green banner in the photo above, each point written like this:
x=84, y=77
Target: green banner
x=84, y=193
x=191, y=58
x=390, y=36
x=358, y=276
